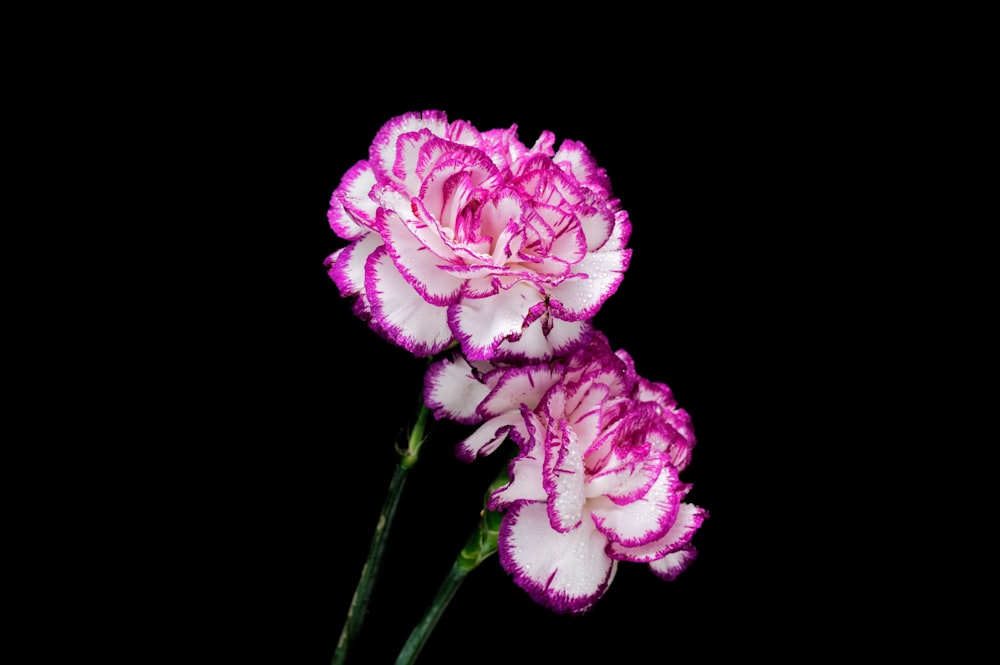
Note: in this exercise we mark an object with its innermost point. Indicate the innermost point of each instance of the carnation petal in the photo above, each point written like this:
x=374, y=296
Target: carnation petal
x=622, y=231
x=688, y=520
x=408, y=150
x=420, y=223
x=417, y=264
x=565, y=572
x=544, y=143
x=450, y=176
x=520, y=385
x=487, y=437
x=400, y=313
x=452, y=390
x=625, y=472
x=599, y=227
x=382, y=154
x=461, y=131
x=576, y=159
x=536, y=343
x=569, y=247
x=352, y=212
x=525, y=472
x=481, y=324
x=564, y=477
x=596, y=277
x=587, y=408
x=645, y=519
x=346, y=266
x=673, y=564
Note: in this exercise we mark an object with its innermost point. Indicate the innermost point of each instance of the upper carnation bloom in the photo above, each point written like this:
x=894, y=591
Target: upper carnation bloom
x=469, y=236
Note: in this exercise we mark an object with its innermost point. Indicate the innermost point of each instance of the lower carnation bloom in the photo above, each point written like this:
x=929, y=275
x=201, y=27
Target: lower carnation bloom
x=597, y=477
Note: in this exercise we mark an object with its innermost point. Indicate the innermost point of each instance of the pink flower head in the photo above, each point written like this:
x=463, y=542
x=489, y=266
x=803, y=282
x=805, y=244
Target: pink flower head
x=597, y=477
x=469, y=236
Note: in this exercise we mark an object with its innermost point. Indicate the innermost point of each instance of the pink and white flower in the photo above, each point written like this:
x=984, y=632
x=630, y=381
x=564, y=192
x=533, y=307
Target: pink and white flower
x=597, y=477
x=469, y=236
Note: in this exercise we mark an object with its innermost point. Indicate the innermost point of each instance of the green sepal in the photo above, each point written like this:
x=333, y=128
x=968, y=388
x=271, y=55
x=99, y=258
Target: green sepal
x=482, y=542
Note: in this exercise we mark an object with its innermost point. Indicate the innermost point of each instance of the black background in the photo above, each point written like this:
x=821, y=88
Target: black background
x=733, y=172
x=807, y=276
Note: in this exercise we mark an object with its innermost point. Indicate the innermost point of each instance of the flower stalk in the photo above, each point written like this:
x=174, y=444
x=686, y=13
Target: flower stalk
x=369, y=572
x=482, y=543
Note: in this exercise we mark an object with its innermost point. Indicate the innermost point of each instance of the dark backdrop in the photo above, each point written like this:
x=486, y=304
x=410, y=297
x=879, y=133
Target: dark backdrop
x=799, y=185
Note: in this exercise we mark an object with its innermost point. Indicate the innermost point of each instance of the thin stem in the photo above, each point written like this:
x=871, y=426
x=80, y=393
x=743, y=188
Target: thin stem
x=362, y=593
x=482, y=544
x=422, y=631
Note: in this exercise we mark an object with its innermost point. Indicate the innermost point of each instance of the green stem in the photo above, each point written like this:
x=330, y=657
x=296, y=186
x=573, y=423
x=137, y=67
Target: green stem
x=422, y=631
x=481, y=544
x=362, y=593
